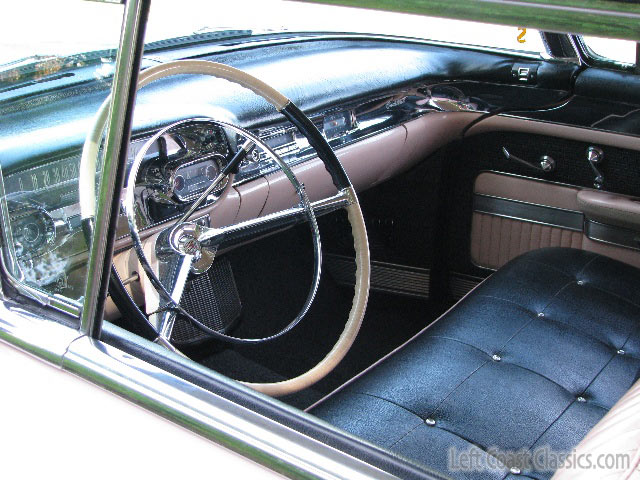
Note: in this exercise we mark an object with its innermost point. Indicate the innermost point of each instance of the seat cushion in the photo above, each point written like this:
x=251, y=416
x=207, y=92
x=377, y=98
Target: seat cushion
x=531, y=359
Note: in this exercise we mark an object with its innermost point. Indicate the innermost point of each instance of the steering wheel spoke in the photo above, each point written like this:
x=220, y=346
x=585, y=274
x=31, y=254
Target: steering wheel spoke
x=241, y=232
x=165, y=286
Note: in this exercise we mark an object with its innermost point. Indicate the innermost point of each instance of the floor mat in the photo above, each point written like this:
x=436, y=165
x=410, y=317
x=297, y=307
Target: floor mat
x=234, y=365
x=273, y=277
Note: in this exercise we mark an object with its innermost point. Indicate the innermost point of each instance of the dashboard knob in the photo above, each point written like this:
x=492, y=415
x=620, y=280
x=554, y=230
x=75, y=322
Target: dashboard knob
x=178, y=183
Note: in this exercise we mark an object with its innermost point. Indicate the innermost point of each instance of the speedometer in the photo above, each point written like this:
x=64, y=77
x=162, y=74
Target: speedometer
x=193, y=178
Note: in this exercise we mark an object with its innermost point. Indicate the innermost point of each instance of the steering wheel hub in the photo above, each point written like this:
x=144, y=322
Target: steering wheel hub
x=183, y=240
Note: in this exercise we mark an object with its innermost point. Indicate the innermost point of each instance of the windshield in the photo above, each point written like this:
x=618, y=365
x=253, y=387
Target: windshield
x=63, y=28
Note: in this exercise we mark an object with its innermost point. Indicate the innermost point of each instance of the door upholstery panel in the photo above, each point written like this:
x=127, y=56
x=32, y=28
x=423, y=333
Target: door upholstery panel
x=496, y=240
x=513, y=215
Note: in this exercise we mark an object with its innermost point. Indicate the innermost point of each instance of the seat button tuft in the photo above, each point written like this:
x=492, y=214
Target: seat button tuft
x=541, y=314
x=496, y=357
x=430, y=421
x=580, y=282
x=515, y=470
x=620, y=352
x=581, y=399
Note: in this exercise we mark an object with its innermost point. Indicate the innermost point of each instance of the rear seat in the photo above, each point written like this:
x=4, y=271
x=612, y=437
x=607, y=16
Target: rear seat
x=530, y=360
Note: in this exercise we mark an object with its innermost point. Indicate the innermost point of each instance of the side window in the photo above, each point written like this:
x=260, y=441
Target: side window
x=616, y=53
x=49, y=66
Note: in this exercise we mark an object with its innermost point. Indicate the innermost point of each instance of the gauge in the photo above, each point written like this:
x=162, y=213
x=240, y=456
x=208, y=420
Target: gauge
x=193, y=178
x=33, y=230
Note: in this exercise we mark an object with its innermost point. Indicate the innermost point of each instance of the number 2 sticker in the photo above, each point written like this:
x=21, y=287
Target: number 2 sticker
x=521, y=35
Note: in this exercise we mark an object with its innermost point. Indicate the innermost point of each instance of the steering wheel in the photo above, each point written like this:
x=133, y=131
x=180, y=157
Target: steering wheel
x=186, y=247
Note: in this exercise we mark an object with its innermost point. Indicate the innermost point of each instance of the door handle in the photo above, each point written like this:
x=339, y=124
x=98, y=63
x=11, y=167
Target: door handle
x=545, y=164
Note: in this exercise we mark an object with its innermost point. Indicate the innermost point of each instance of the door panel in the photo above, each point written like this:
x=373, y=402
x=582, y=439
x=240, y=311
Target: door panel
x=496, y=240
x=513, y=215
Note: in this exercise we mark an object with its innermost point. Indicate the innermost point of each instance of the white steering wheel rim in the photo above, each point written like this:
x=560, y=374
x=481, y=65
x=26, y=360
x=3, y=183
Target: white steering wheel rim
x=87, y=195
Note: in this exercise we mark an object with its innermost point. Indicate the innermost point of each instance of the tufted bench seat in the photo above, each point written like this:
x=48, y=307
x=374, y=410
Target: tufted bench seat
x=534, y=357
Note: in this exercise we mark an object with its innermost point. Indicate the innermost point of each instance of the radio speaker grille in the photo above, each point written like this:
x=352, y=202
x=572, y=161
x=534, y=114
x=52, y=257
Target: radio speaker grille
x=213, y=299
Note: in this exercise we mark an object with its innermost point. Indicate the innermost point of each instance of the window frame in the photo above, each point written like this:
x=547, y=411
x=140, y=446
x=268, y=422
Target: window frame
x=593, y=59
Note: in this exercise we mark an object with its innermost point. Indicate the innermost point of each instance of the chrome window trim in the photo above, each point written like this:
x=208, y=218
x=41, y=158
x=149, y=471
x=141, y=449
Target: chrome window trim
x=116, y=134
x=265, y=441
x=207, y=414
x=31, y=332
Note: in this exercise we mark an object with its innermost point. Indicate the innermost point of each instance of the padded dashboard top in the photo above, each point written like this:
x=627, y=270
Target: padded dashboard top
x=314, y=75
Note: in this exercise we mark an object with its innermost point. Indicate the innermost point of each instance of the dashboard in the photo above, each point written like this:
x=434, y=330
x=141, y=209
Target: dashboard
x=43, y=205
x=354, y=90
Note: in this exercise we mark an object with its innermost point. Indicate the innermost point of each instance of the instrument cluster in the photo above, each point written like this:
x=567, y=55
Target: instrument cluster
x=47, y=241
x=177, y=168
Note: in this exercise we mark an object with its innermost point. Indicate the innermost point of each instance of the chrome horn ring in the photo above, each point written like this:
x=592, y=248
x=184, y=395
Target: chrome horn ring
x=185, y=245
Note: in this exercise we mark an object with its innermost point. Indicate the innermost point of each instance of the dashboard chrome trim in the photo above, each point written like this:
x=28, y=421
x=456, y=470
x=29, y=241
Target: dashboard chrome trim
x=364, y=118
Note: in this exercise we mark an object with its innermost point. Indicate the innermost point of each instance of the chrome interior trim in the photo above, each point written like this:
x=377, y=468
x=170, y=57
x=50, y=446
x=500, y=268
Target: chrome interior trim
x=364, y=118
x=386, y=116
x=259, y=438
x=275, y=220
x=528, y=212
x=611, y=234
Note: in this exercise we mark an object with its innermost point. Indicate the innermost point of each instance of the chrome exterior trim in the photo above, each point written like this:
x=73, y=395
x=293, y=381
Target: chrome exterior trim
x=125, y=63
x=528, y=212
x=248, y=433
x=31, y=332
x=259, y=438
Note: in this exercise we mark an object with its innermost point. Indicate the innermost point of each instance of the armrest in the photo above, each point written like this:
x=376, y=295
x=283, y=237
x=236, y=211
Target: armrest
x=610, y=208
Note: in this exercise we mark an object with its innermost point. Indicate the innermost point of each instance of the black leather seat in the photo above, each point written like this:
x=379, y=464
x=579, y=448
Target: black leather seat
x=532, y=358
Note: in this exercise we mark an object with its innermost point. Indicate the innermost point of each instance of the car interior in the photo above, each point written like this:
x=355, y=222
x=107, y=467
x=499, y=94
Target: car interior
x=427, y=246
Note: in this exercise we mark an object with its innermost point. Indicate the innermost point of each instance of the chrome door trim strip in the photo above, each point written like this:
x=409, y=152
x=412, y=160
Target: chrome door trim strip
x=32, y=332
x=233, y=426
x=528, y=212
x=612, y=234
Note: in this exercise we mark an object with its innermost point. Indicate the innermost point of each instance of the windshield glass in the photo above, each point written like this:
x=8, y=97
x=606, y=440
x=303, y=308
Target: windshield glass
x=67, y=27
x=56, y=66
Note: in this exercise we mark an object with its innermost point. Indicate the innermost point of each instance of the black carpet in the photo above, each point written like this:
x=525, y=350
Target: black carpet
x=273, y=277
